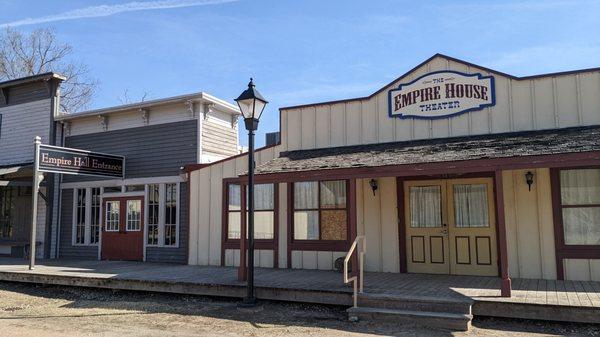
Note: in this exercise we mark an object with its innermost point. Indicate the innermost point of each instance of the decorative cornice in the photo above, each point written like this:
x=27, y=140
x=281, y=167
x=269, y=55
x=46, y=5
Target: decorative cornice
x=190, y=106
x=208, y=108
x=145, y=115
x=67, y=128
x=103, y=122
x=234, y=121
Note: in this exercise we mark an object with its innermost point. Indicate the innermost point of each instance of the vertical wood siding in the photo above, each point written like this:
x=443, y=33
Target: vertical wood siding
x=530, y=228
x=529, y=104
x=206, y=205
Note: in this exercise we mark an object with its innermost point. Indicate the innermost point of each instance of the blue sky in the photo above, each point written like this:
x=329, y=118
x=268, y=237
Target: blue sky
x=303, y=51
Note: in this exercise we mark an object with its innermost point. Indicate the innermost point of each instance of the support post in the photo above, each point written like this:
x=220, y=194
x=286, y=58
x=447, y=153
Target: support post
x=34, y=200
x=505, y=289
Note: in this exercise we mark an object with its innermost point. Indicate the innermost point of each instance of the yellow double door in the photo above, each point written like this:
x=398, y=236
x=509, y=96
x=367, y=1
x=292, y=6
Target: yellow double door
x=451, y=227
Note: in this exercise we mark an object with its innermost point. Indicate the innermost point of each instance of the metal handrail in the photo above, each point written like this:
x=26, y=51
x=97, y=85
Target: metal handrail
x=358, y=283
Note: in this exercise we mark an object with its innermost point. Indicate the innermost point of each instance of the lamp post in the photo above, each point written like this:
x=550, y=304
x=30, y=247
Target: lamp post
x=251, y=105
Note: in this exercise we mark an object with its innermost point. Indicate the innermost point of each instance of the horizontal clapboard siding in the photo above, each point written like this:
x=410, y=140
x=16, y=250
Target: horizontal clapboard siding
x=175, y=255
x=66, y=249
x=150, y=151
x=20, y=124
x=25, y=93
x=218, y=138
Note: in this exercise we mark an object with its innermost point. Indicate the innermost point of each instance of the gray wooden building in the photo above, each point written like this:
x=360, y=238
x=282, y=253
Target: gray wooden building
x=141, y=217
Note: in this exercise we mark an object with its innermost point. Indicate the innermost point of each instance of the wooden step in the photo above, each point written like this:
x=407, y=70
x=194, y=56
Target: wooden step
x=450, y=321
x=415, y=303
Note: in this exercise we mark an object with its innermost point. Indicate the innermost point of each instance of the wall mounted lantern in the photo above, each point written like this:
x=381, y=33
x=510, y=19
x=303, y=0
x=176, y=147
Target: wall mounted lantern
x=373, y=184
x=529, y=179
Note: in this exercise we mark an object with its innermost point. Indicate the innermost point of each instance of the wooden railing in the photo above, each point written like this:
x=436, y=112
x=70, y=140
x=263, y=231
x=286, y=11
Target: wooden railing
x=357, y=279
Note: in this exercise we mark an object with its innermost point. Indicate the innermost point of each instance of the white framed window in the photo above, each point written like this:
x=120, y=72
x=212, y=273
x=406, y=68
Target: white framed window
x=162, y=202
x=134, y=215
x=153, y=214
x=112, y=216
x=86, y=215
x=80, y=218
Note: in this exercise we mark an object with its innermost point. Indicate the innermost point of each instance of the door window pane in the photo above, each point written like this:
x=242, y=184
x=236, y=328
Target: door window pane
x=580, y=187
x=425, y=206
x=306, y=225
x=471, y=205
x=134, y=215
x=112, y=216
x=306, y=195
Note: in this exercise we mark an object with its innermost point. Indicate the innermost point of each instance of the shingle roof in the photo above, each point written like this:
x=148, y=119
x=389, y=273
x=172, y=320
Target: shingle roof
x=547, y=142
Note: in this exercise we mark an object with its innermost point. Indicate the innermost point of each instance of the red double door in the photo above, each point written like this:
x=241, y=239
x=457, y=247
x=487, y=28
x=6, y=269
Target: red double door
x=123, y=228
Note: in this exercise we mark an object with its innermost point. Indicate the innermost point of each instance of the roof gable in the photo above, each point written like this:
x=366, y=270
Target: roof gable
x=430, y=60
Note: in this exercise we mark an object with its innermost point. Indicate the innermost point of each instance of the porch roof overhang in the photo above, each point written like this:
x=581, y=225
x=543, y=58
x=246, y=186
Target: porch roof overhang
x=16, y=171
x=579, y=146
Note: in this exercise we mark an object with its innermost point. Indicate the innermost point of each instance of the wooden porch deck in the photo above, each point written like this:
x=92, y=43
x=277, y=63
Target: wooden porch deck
x=532, y=298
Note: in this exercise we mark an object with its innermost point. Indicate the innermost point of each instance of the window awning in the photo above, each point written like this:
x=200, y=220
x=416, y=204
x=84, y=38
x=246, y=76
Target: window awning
x=519, y=145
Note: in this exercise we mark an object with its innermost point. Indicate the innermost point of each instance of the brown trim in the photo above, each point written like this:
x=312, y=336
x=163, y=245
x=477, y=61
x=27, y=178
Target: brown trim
x=352, y=221
x=506, y=285
x=562, y=250
x=477, y=250
x=456, y=248
x=324, y=245
x=260, y=244
x=412, y=249
x=475, y=166
x=496, y=72
x=401, y=224
x=290, y=217
x=431, y=249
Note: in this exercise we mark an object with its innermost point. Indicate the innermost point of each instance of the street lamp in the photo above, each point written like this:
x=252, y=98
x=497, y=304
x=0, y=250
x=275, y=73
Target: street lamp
x=251, y=104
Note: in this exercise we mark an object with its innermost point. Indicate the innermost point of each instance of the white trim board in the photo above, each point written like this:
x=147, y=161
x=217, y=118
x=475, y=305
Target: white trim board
x=131, y=181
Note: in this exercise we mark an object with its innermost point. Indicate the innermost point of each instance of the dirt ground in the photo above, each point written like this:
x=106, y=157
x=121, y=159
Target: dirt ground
x=30, y=310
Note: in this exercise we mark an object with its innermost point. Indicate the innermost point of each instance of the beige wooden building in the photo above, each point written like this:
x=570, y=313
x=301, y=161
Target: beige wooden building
x=452, y=168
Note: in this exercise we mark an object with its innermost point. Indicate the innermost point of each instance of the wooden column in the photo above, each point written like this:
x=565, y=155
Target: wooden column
x=505, y=289
x=352, y=223
x=242, y=270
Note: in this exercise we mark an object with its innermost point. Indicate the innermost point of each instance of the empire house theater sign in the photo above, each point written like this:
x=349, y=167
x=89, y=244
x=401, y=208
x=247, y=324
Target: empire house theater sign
x=441, y=94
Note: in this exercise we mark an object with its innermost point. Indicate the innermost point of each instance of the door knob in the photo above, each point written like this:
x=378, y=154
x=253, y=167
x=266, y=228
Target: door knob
x=445, y=232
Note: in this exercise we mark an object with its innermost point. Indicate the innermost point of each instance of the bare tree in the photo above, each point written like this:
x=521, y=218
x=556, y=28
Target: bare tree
x=39, y=52
x=125, y=99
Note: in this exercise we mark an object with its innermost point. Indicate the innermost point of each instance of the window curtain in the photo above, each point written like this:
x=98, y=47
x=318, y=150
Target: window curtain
x=306, y=195
x=333, y=194
x=425, y=206
x=471, y=205
x=581, y=188
x=264, y=195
